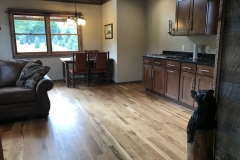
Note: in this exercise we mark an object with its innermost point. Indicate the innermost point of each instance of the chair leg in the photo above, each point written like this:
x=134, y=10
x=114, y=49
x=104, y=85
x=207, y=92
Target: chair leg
x=107, y=78
x=94, y=79
x=73, y=79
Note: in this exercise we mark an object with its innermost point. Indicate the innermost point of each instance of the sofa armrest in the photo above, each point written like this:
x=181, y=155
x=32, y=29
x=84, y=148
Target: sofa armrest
x=43, y=86
x=45, y=83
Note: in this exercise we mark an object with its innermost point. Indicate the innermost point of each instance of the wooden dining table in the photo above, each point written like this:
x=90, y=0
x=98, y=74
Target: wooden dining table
x=67, y=61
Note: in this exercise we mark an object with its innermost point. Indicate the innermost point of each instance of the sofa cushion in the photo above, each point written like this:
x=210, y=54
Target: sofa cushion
x=10, y=71
x=31, y=74
x=13, y=94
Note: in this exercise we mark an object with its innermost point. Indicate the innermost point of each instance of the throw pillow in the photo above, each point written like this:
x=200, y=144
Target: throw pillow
x=31, y=74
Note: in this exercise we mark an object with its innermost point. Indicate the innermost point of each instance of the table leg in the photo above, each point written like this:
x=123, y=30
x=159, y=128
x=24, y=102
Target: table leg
x=63, y=67
x=67, y=73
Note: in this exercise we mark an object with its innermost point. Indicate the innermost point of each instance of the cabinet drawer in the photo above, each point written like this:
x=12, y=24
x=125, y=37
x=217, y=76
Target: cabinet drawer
x=159, y=62
x=205, y=70
x=147, y=60
x=173, y=64
x=189, y=67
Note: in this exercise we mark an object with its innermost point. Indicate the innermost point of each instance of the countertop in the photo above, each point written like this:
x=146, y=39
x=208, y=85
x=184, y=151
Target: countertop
x=204, y=59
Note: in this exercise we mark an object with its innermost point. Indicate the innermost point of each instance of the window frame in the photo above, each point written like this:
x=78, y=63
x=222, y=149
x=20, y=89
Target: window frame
x=47, y=14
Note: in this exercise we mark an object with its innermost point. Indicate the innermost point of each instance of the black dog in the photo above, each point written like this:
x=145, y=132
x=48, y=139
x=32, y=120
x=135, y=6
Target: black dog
x=203, y=117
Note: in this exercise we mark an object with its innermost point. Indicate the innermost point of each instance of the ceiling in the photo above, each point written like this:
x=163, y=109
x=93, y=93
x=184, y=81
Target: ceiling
x=97, y=2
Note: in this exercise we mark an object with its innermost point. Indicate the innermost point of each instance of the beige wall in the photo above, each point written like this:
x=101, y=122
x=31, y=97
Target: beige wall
x=109, y=15
x=131, y=40
x=159, y=12
x=92, y=32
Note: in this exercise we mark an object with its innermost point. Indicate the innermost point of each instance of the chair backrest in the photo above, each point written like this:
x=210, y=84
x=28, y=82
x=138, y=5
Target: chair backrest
x=80, y=61
x=101, y=60
x=91, y=52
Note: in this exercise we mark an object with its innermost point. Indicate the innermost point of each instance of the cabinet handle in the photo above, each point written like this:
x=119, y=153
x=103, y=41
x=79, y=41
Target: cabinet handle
x=189, y=25
x=157, y=62
x=202, y=70
x=152, y=73
x=192, y=84
x=170, y=71
x=186, y=26
x=171, y=65
x=186, y=67
x=146, y=61
x=211, y=85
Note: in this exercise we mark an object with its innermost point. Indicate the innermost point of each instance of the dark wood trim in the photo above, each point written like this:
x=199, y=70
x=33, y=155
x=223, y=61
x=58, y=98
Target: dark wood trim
x=1, y=148
x=95, y=2
x=40, y=12
x=219, y=43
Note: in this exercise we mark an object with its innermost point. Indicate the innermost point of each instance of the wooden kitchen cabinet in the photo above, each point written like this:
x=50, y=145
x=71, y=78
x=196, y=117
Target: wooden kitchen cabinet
x=175, y=80
x=172, y=83
x=154, y=75
x=186, y=85
x=172, y=79
x=159, y=79
x=147, y=76
x=196, y=17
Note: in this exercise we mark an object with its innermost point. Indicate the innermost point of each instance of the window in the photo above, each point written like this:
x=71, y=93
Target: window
x=37, y=33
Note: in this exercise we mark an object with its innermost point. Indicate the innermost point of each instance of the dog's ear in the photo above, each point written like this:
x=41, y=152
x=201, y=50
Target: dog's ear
x=194, y=94
x=208, y=96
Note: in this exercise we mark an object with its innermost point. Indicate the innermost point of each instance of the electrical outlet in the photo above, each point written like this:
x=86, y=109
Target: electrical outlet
x=207, y=49
x=183, y=47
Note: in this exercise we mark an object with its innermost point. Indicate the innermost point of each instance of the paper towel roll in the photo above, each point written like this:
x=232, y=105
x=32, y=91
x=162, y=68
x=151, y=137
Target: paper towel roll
x=195, y=51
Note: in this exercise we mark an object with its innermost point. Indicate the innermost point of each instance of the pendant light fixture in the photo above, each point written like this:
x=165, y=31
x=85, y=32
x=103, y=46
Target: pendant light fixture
x=79, y=19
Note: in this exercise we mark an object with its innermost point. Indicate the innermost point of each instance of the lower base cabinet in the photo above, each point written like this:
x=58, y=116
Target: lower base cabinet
x=175, y=80
x=159, y=79
x=147, y=76
x=186, y=85
x=154, y=78
x=172, y=83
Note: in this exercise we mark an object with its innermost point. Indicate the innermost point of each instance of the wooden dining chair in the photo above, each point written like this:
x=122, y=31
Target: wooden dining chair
x=91, y=52
x=100, y=68
x=80, y=67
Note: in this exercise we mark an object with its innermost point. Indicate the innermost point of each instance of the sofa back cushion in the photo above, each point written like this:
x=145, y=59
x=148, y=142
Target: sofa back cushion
x=10, y=71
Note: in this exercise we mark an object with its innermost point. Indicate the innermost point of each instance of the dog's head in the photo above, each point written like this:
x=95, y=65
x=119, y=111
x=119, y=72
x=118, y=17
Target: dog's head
x=203, y=97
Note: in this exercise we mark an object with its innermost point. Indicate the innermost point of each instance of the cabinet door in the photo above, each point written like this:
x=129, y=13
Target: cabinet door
x=172, y=83
x=182, y=17
x=159, y=79
x=147, y=76
x=198, y=14
x=203, y=82
x=186, y=85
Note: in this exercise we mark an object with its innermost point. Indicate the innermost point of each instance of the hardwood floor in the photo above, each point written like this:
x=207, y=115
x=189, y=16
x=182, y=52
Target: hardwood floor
x=104, y=122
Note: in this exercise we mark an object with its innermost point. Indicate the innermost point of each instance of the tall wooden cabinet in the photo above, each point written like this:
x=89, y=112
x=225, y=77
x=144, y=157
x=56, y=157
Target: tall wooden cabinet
x=196, y=17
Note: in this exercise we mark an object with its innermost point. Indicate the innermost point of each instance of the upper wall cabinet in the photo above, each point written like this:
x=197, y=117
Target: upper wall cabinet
x=196, y=17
